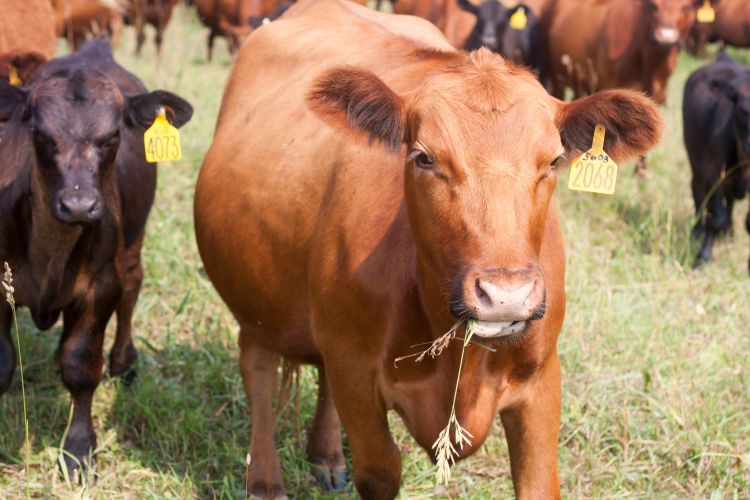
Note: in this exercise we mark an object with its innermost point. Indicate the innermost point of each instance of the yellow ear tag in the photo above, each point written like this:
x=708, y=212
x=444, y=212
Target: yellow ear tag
x=13, y=77
x=162, y=140
x=706, y=13
x=518, y=19
x=594, y=171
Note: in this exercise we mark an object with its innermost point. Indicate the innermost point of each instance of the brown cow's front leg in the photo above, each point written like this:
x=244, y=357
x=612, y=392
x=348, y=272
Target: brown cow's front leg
x=324, y=445
x=81, y=366
x=7, y=352
x=532, y=426
x=259, y=367
x=123, y=354
x=375, y=457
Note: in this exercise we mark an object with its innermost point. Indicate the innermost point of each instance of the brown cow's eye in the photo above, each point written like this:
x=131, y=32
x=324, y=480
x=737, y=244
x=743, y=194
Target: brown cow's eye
x=423, y=161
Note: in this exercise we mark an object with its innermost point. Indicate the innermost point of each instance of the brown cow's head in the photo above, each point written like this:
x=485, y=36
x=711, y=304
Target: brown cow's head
x=76, y=119
x=482, y=142
x=669, y=20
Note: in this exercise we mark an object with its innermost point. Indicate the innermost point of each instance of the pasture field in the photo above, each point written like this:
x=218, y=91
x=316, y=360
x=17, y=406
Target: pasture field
x=655, y=356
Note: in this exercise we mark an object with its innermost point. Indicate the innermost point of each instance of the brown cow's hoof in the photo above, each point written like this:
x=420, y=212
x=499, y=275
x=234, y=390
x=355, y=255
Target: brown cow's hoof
x=329, y=478
x=262, y=491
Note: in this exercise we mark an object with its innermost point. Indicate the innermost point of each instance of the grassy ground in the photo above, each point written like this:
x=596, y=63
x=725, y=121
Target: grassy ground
x=656, y=357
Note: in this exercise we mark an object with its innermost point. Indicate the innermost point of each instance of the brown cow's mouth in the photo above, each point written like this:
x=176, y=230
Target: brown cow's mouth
x=516, y=331
x=497, y=329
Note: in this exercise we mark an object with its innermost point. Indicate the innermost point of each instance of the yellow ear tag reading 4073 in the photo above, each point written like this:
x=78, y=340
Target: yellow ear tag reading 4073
x=518, y=19
x=162, y=140
x=706, y=14
x=594, y=171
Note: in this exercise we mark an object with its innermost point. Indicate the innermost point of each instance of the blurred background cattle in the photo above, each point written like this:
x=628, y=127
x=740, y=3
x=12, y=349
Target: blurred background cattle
x=640, y=322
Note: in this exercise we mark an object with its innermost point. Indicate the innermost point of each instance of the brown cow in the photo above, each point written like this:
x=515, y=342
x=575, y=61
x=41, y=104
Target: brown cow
x=231, y=19
x=367, y=187
x=75, y=191
x=732, y=26
x=602, y=44
x=79, y=20
x=16, y=34
x=157, y=13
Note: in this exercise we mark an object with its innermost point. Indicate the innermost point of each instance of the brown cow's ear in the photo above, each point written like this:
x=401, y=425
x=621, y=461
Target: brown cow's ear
x=356, y=100
x=633, y=123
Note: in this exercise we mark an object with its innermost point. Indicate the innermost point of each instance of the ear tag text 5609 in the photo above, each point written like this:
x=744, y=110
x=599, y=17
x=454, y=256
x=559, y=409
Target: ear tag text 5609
x=13, y=77
x=162, y=140
x=518, y=19
x=706, y=13
x=594, y=171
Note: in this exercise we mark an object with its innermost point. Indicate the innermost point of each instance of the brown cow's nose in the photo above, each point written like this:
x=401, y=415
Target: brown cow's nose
x=501, y=295
x=79, y=207
x=505, y=301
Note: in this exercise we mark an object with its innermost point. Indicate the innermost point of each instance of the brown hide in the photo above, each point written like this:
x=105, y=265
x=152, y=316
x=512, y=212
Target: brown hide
x=602, y=44
x=365, y=181
x=154, y=12
x=229, y=18
x=16, y=20
x=78, y=20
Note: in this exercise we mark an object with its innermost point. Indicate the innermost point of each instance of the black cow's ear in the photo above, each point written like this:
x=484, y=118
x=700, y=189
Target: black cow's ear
x=520, y=6
x=141, y=109
x=468, y=6
x=12, y=100
x=724, y=88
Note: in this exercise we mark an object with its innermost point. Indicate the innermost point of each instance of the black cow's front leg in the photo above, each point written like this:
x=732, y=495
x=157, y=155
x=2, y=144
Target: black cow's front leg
x=7, y=352
x=81, y=364
x=123, y=355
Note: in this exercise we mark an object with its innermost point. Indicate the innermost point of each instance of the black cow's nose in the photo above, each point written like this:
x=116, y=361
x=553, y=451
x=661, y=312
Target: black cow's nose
x=80, y=207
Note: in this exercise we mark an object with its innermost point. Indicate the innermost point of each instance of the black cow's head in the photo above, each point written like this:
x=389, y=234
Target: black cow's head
x=76, y=119
x=737, y=90
x=492, y=24
x=492, y=18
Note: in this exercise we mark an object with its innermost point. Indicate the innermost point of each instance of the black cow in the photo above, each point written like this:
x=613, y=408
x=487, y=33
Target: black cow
x=716, y=114
x=75, y=191
x=493, y=30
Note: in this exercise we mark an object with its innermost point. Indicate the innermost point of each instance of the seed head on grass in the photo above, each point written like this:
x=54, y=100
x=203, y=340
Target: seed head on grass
x=9, y=290
x=445, y=451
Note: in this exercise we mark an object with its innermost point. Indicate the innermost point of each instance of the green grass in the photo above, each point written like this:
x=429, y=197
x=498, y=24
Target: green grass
x=656, y=357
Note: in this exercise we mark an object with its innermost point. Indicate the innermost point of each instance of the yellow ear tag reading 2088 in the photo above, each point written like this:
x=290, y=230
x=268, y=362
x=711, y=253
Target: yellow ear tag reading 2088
x=594, y=171
x=162, y=140
x=518, y=19
x=706, y=13
x=13, y=77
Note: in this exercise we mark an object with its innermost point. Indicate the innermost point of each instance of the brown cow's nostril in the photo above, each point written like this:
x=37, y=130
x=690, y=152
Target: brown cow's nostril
x=483, y=297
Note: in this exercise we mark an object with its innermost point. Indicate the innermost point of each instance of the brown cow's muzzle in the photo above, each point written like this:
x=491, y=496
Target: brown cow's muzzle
x=503, y=302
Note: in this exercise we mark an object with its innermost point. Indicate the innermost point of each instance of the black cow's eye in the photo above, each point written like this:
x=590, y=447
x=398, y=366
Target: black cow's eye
x=424, y=161
x=107, y=140
x=554, y=163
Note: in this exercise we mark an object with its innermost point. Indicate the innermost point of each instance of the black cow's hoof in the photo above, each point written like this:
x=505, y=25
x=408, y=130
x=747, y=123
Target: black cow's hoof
x=329, y=478
x=127, y=377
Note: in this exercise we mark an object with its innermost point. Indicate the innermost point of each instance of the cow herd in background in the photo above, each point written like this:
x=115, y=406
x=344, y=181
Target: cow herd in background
x=75, y=191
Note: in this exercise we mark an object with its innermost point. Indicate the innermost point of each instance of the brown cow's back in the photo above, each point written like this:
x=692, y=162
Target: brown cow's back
x=15, y=19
